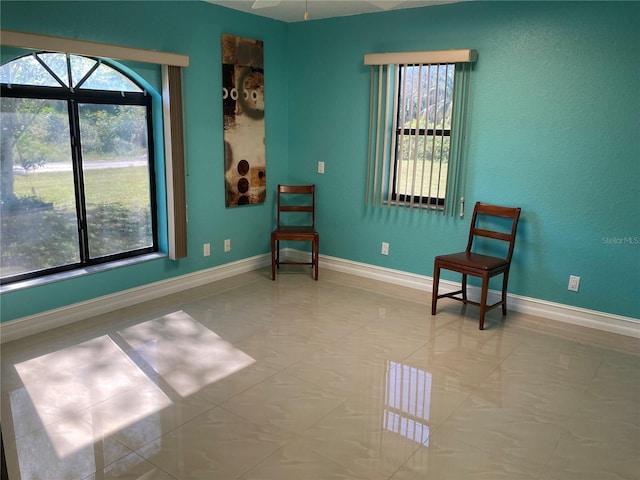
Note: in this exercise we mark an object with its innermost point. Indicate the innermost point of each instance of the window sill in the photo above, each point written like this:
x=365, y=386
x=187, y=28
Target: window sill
x=35, y=282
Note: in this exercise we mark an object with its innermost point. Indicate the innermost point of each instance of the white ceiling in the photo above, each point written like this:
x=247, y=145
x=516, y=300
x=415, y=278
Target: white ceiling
x=293, y=10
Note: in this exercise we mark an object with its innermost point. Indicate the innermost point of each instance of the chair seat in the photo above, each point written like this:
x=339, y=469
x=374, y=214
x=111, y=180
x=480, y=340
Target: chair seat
x=474, y=261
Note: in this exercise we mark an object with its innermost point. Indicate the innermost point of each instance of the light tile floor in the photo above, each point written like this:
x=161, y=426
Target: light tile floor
x=344, y=378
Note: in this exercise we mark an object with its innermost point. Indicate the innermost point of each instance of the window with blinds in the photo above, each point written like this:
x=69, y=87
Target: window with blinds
x=419, y=104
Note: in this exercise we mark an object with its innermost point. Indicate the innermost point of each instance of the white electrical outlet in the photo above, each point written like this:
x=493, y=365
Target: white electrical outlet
x=385, y=248
x=320, y=167
x=227, y=245
x=574, y=283
x=206, y=249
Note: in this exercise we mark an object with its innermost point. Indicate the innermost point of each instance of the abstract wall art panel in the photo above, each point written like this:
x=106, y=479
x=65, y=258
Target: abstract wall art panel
x=243, y=110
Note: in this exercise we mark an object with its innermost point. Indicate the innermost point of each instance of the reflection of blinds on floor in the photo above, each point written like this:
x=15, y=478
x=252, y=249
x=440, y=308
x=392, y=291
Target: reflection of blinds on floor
x=417, y=128
x=407, y=401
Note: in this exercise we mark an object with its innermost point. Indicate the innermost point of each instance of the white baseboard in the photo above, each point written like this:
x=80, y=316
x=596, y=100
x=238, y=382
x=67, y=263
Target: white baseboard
x=554, y=311
x=43, y=321
x=40, y=322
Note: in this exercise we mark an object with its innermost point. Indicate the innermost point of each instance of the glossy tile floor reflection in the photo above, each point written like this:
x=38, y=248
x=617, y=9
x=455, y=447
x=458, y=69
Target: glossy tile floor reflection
x=344, y=378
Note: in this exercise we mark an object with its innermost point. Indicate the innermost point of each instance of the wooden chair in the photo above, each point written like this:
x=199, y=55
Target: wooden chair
x=299, y=200
x=480, y=265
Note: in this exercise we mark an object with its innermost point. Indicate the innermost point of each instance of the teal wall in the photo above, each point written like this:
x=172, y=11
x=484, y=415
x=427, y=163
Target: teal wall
x=554, y=129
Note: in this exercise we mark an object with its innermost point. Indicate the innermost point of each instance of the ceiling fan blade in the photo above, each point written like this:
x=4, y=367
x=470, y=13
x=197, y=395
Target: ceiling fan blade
x=264, y=3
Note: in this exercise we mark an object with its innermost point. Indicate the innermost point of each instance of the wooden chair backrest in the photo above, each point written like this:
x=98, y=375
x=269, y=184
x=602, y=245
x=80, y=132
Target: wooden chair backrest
x=484, y=209
x=308, y=206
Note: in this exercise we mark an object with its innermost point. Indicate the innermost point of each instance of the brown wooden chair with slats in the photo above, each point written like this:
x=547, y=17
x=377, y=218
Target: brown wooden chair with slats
x=295, y=201
x=490, y=224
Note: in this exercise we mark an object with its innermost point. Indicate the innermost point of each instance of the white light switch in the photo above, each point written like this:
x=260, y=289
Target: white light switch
x=320, y=167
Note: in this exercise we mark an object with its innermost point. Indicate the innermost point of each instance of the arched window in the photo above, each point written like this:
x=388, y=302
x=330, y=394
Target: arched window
x=77, y=178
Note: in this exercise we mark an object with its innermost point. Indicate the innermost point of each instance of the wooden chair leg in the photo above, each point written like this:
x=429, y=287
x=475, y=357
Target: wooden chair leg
x=505, y=280
x=464, y=288
x=316, y=250
x=483, y=301
x=436, y=281
x=273, y=258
